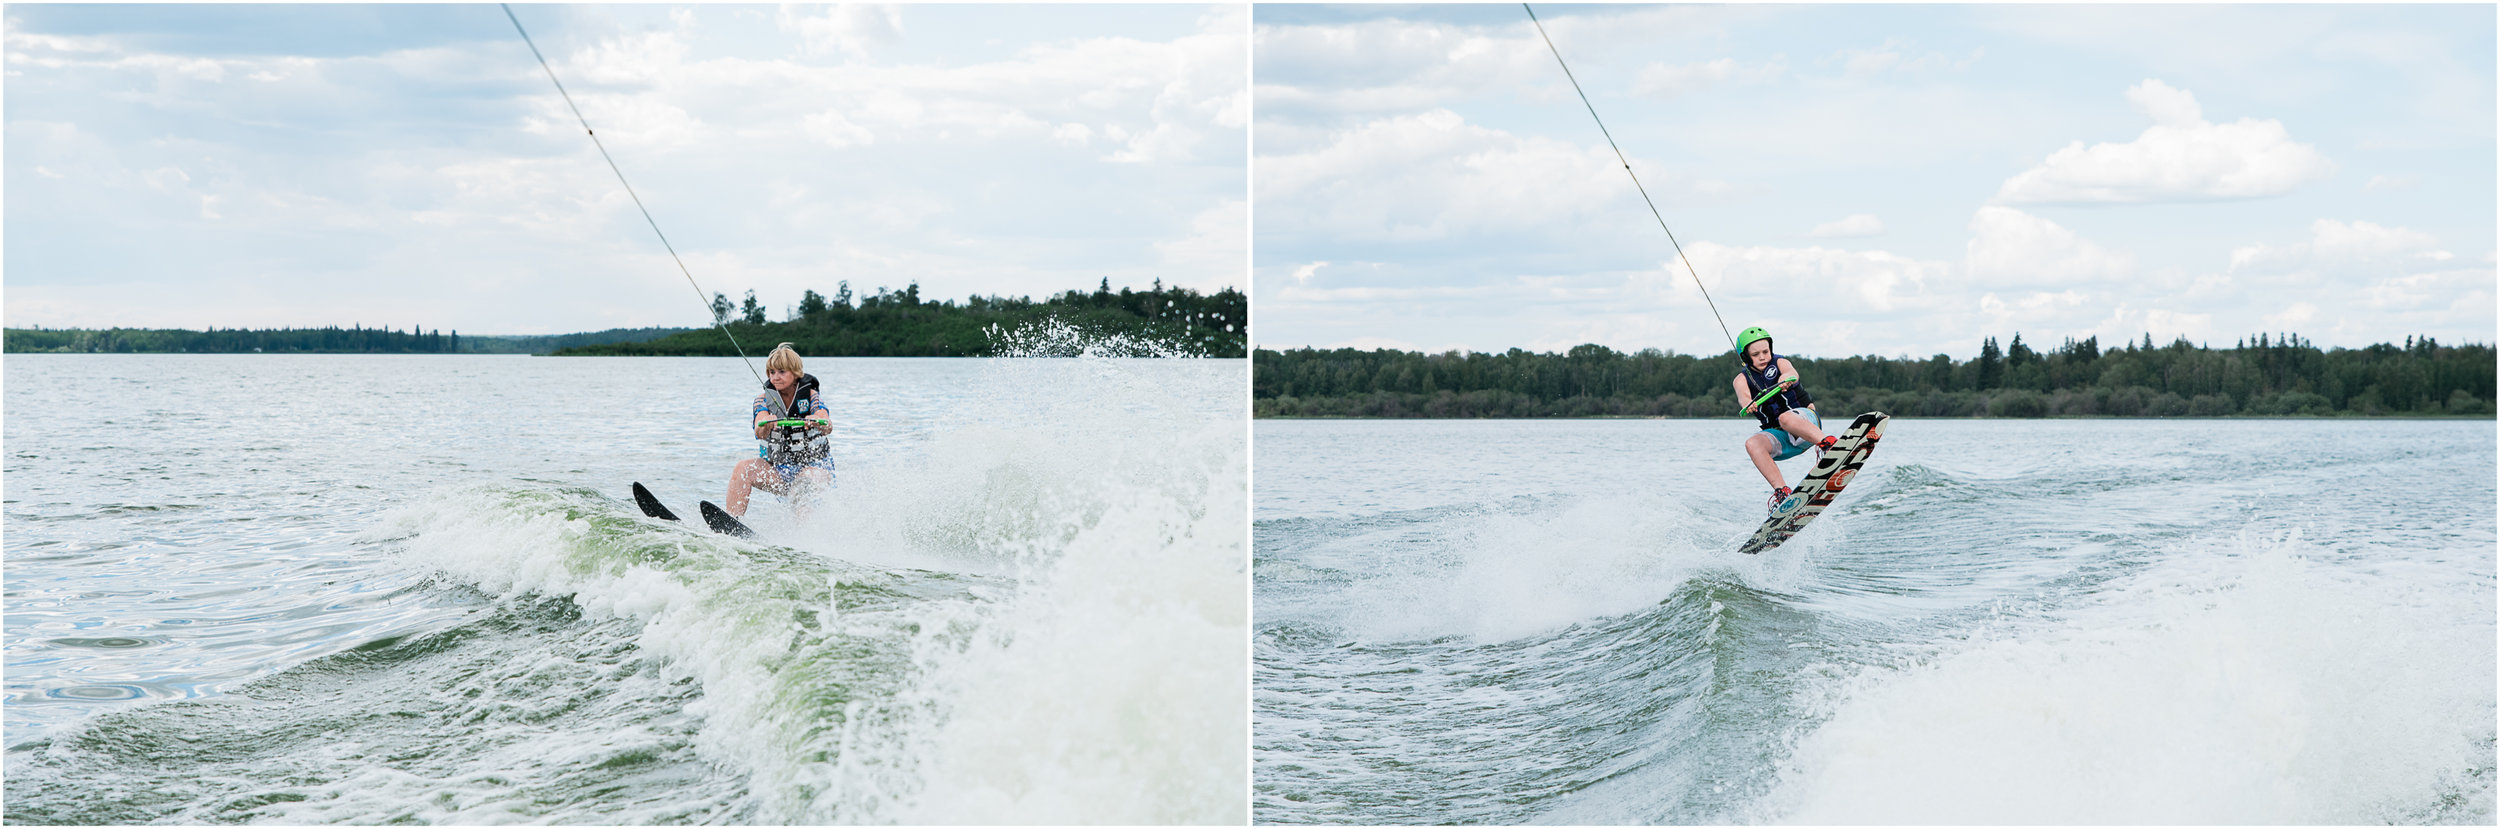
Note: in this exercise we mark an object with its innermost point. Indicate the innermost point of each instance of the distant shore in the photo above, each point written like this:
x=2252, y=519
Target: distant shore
x=2339, y=416
x=2262, y=376
x=1160, y=322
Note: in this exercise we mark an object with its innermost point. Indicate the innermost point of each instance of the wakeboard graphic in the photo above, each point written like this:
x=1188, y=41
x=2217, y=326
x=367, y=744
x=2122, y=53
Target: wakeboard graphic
x=1832, y=474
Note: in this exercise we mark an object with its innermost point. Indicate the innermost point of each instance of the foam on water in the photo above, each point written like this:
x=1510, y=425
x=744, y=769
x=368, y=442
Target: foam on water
x=1506, y=639
x=1113, y=690
x=1496, y=576
x=1027, y=622
x=2242, y=682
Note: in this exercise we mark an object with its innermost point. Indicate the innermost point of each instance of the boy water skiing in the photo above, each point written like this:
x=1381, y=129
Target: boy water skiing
x=1768, y=389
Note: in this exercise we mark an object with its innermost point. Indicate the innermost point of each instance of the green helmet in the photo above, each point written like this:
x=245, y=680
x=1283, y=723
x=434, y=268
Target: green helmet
x=1744, y=340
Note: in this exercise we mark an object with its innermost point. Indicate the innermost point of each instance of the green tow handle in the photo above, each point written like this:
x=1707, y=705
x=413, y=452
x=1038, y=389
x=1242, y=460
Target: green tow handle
x=1783, y=385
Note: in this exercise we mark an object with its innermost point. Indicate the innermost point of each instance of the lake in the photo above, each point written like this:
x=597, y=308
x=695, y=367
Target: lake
x=385, y=589
x=2017, y=622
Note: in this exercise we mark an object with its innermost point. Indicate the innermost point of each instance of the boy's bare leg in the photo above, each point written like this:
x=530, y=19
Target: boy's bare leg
x=1759, y=447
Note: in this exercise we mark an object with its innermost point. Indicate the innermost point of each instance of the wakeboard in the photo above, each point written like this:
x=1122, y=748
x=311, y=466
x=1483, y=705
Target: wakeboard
x=1830, y=475
x=724, y=523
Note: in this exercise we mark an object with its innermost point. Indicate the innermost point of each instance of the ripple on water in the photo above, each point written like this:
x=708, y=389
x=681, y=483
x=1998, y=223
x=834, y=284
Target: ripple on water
x=109, y=642
x=97, y=693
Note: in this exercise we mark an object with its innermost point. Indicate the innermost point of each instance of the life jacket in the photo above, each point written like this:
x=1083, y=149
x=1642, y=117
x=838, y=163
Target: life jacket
x=793, y=445
x=1757, y=382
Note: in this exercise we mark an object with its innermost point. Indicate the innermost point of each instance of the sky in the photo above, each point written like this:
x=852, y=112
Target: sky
x=1889, y=180
x=411, y=165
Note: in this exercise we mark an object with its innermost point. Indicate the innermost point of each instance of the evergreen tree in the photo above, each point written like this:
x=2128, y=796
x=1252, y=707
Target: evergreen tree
x=1990, y=367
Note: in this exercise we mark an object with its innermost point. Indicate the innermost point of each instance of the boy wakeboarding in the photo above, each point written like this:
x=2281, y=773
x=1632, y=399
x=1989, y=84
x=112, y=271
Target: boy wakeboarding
x=1768, y=389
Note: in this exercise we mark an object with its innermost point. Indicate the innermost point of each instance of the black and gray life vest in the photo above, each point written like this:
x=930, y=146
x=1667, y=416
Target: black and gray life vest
x=1757, y=382
x=794, y=445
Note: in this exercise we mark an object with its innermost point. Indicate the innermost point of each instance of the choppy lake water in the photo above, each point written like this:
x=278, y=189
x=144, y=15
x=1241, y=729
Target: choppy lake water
x=373, y=589
x=2025, y=622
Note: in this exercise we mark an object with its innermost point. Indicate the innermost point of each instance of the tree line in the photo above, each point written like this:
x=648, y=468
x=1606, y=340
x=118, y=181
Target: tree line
x=2267, y=375
x=355, y=339
x=891, y=323
x=887, y=323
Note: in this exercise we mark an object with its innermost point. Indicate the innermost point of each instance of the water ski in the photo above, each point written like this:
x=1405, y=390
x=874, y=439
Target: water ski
x=1830, y=475
x=724, y=523
x=718, y=519
x=650, y=504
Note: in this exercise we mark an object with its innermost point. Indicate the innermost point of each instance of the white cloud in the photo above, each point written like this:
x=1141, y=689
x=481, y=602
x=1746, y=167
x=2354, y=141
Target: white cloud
x=2432, y=290
x=1302, y=293
x=1662, y=81
x=2128, y=324
x=1889, y=57
x=2398, y=276
x=2181, y=157
x=2166, y=105
x=1334, y=74
x=2040, y=312
x=2011, y=248
x=2294, y=316
x=1876, y=280
x=1859, y=224
x=1216, y=252
x=432, y=174
x=1302, y=275
x=847, y=28
x=2342, y=248
x=169, y=179
x=1435, y=176
x=2391, y=183
x=832, y=130
x=1378, y=67
x=1167, y=141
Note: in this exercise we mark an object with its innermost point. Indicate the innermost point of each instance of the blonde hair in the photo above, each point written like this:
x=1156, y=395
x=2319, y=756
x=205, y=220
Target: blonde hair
x=784, y=358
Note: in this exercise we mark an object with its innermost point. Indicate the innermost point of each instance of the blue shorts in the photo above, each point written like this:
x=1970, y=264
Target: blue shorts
x=790, y=471
x=1785, y=445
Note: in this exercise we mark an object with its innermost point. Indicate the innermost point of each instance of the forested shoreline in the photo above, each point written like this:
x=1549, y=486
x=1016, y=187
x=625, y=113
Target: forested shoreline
x=1162, y=321
x=887, y=323
x=2268, y=375
x=355, y=339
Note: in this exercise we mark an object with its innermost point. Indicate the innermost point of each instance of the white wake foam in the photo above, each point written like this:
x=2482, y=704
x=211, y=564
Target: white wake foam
x=2249, y=684
x=1094, y=672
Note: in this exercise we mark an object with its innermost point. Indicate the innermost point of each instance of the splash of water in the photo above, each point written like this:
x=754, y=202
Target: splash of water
x=1056, y=337
x=2243, y=684
x=1038, y=614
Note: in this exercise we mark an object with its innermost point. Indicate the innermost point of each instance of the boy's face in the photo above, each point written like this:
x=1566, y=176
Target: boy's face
x=1759, y=353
